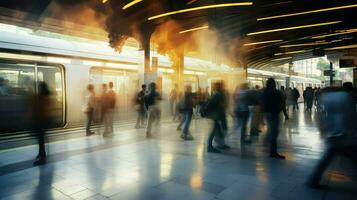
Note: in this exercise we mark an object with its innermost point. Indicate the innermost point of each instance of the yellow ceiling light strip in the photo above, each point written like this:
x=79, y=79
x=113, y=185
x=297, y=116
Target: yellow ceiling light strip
x=201, y=8
x=343, y=47
x=308, y=12
x=104, y=1
x=334, y=34
x=262, y=42
x=290, y=52
x=293, y=28
x=340, y=31
x=128, y=5
x=304, y=44
x=285, y=58
x=194, y=29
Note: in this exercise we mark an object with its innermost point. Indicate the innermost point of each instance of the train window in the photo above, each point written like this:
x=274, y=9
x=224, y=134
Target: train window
x=17, y=89
x=17, y=86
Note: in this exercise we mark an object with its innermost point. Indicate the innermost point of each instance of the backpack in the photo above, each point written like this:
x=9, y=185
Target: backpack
x=206, y=110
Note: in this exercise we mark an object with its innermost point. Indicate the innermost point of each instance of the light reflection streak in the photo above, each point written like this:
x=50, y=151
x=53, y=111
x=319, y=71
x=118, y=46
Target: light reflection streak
x=201, y=8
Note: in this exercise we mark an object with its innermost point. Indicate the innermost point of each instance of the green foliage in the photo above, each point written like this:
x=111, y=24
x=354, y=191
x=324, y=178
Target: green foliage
x=323, y=64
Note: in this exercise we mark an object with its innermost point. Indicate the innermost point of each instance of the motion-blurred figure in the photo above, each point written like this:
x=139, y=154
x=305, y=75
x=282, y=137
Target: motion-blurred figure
x=41, y=117
x=271, y=106
x=338, y=125
x=216, y=109
x=140, y=107
x=173, y=98
x=257, y=117
x=103, y=102
x=110, y=100
x=4, y=87
x=295, y=96
x=152, y=99
x=317, y=99
x=188, y=105
x=308, y=98
x=241, y=110
x=89, y=108
x=284, y=99
x=200, y=99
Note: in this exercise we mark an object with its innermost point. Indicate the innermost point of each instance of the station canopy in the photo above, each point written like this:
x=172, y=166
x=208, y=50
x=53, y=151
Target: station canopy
x=257, y=33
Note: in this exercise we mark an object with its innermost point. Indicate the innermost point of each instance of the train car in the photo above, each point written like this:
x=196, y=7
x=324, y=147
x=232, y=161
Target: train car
x=68, y=66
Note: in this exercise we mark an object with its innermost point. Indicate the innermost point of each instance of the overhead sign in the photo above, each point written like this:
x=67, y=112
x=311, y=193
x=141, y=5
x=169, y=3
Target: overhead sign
x=346, y=63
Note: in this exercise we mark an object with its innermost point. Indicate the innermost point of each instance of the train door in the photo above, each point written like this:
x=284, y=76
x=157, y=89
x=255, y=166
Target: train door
x=53, y=77
x=18, y=89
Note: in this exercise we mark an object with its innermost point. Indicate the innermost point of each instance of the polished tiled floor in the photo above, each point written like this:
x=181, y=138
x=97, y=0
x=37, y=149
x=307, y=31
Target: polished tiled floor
x=129, y=166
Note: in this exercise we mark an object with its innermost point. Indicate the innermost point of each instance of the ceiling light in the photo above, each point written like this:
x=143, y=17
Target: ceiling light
x=334, y=34
x=343, y=47
x=290, y=52
x=294, y=27
x=194, y=29
x=131, y=4
x=285, y=58
x=262, y=42
x=304, y=44
x=308, y=12
x=104, y=1
x=201, y=8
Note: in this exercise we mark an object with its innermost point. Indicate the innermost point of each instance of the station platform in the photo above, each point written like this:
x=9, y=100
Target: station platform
x=130, y=166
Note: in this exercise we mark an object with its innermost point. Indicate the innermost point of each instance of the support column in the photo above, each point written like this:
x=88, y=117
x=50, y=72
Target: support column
x=145, y=73
x=331, y=74
x=179, y=69
x=147, y=70
x=287, y=83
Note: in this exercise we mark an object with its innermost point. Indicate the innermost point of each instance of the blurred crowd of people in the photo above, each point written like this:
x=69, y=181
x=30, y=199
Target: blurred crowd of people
x=251, y=108
x=107, y=101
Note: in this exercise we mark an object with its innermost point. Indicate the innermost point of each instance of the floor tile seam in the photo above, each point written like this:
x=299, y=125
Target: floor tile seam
x=74, y=139
x=76, y=152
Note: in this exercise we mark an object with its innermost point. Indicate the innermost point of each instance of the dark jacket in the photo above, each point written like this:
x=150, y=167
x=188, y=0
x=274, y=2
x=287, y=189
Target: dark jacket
x=188, y=101
x=217, y=103
x=271, y=101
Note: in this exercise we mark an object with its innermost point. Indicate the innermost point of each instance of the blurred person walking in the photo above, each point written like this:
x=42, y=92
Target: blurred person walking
x=272, y=106
x=173, y=98
x=284, y=99
x=337, y=122
x=188, y=105
x=317, y=99
x=152, y=99
x=215, y=109
x=241, y=111
x=110, y=101
x=200, y=99
x=140, y=107
x=103, y=102
x=295, y=96
x=308, y=98
x=4, y=87
x=257, y=118
x=41, y=117
x=88, y=108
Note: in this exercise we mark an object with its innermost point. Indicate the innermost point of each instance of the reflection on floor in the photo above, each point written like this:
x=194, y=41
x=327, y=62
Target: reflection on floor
x=129, y=166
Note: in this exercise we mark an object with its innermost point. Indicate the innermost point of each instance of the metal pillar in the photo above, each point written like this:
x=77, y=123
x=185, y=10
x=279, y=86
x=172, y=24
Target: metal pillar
x=331, y=74
x=146, y=47
x=145, y=74
x=179, y=72
x=287, y=80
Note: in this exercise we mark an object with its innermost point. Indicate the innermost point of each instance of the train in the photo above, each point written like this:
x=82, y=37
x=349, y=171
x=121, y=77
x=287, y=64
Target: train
x=67, y=66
